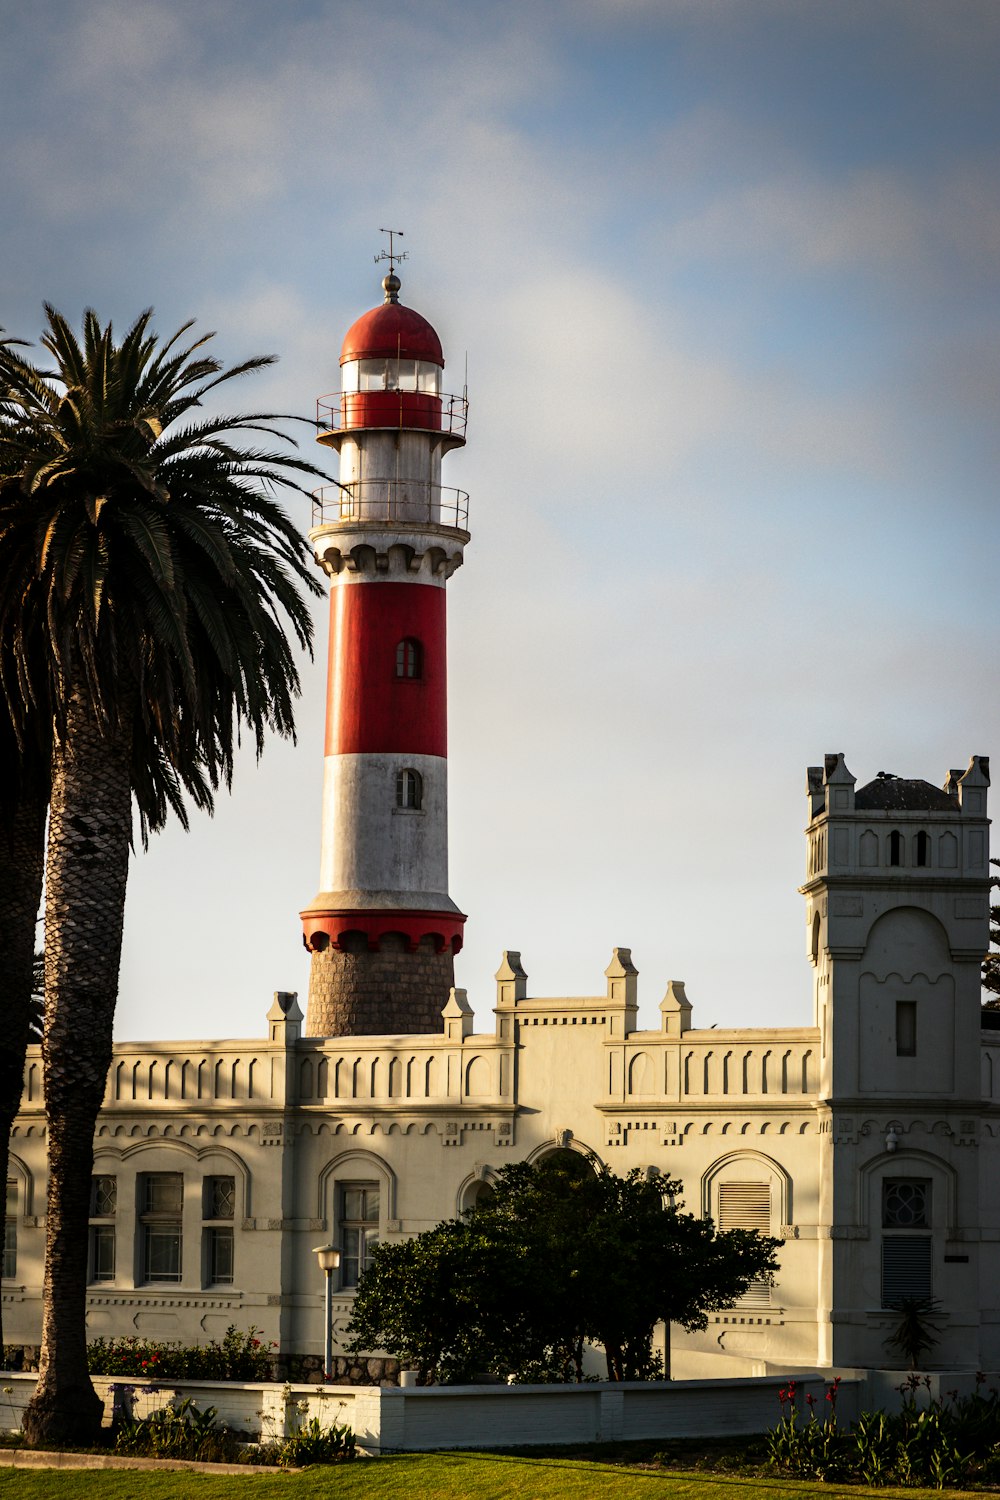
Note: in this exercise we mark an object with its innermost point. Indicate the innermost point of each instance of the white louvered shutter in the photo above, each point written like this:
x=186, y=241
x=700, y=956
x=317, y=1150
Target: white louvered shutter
x=747, y=1205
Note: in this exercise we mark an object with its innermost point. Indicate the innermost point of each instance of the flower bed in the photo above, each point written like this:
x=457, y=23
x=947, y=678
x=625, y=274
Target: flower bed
x=929, y=1441
x=239, y=1356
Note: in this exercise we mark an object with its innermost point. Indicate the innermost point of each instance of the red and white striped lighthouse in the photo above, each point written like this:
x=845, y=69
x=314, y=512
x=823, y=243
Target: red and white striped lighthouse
x=383, y=930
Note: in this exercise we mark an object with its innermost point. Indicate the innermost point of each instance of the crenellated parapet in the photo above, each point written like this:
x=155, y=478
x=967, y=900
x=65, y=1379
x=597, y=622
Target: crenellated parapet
x=651, y=1069
x=431, y=554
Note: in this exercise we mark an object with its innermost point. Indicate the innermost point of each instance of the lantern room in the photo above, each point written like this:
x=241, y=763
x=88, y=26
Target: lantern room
x=391, y=365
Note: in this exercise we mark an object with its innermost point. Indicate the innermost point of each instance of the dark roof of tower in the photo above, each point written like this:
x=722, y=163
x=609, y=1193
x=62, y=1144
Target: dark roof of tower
x=888, y=793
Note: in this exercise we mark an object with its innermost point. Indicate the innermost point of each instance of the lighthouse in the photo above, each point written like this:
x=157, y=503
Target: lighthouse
x=383, y=930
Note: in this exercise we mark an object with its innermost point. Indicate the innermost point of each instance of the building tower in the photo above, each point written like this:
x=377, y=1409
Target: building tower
x=383, y=930
x=897, y=900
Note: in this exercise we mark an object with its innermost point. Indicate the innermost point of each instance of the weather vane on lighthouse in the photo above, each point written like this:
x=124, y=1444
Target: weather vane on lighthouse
x=392, y=254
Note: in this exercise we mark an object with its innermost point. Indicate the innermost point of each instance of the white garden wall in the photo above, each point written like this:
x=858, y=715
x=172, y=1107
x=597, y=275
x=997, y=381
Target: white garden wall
x=482, y=1416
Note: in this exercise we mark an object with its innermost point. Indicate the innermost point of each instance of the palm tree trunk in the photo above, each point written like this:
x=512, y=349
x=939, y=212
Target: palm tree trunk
x=90, y=826
x=22, y=862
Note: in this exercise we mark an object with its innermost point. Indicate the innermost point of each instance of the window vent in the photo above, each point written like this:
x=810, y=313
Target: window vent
x=747, y=1205
x=906, y=1267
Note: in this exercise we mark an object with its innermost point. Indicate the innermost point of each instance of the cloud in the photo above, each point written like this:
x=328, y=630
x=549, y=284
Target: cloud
x=731, y=386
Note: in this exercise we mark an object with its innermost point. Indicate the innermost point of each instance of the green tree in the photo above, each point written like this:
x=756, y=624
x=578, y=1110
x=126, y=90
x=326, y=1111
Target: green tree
x=423, y=1300
x=147, y=582
x=560, y=1255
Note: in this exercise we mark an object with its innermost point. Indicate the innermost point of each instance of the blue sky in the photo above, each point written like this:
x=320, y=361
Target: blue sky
x=726, y=275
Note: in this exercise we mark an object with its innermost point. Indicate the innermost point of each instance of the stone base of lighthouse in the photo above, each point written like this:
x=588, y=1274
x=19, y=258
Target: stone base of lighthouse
x=392, y=989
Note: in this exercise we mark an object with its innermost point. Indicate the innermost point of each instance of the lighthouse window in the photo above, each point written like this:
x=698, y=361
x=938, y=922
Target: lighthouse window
x=409, y=659
x=372, y=375
x=390, y=375
x=409, y=790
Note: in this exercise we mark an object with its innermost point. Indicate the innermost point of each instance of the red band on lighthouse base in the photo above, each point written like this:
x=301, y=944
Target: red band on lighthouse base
x=325, y=929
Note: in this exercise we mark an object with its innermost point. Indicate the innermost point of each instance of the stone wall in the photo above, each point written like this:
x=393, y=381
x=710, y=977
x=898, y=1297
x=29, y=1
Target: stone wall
x=361, y=1369
x=383, y=992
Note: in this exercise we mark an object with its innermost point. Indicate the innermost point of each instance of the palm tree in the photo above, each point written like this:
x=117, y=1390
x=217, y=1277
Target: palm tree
x=145, y=563
x=23, y=803
x=24, y=799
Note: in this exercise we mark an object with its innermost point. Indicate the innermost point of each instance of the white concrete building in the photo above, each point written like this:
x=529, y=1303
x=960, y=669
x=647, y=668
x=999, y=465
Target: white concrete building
x=868, y=1141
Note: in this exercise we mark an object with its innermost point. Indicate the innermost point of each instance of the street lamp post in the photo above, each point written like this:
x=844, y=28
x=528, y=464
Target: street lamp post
x=329, y=1260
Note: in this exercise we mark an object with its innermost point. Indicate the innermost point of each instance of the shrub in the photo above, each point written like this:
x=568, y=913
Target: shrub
x=916, y=1332
x=240, y=1356
x=312, y=1443
x=179, y=1430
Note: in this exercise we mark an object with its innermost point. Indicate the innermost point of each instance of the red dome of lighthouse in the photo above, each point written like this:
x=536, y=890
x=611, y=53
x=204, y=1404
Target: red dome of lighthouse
x=391, y=332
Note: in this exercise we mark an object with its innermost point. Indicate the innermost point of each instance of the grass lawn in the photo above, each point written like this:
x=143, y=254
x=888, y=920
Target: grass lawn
x=438, y=1476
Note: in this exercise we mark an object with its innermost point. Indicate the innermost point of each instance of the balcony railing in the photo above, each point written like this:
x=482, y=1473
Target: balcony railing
x=407, y=502
x=420, y=410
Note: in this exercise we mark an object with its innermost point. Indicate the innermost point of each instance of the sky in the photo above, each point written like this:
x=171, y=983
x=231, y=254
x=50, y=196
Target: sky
x=725, y=276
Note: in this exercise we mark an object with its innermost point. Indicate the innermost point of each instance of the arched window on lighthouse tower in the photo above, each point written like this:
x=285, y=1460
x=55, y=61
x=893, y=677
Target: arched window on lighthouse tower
x=409, y=789
x=409, y=659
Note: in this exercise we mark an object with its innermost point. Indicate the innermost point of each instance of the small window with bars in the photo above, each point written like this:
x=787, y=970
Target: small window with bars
x=103, y=1208
x=747, y=1205
x=359, y=1211
x=219, y=1243
x=10, y=1232
x=907, y=1249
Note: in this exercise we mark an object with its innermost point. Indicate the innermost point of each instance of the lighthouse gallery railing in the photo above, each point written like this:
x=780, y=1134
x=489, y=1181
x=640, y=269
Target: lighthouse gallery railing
x=391, y=501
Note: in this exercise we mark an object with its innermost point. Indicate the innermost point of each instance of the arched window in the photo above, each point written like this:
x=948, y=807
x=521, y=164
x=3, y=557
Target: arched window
x=907, y=1248
x=895, y=847
x=923, y=848
x=477, y=1195
x=409, y=789
x=409, y=659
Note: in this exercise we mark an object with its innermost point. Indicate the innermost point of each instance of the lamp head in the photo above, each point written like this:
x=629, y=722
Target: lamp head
x=328, y=1257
